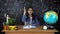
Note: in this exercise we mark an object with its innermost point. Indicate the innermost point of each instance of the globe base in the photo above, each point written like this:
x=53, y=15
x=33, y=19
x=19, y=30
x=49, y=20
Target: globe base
x=49, y=26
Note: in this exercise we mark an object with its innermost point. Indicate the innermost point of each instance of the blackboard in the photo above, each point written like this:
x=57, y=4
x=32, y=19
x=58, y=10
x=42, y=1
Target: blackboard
x=14, y=8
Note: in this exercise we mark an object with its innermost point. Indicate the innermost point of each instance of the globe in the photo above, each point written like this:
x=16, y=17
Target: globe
x=50, y=17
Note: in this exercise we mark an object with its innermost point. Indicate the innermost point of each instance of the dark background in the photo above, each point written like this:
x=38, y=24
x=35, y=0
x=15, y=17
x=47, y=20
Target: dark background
x=14, y=8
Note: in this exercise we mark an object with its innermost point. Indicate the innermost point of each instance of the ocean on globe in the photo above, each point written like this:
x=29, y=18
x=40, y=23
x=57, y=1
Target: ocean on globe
x=50, y=17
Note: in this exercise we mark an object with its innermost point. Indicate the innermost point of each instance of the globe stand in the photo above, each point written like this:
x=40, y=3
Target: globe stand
x=48, y=26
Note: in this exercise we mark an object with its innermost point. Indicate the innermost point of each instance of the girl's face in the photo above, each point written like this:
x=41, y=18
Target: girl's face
x=30, y=11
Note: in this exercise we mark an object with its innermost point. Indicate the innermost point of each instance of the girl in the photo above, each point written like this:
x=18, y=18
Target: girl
x=29, y=17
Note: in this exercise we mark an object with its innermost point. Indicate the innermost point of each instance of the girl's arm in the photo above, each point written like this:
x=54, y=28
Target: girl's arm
x=36, y=23
x=24, y=16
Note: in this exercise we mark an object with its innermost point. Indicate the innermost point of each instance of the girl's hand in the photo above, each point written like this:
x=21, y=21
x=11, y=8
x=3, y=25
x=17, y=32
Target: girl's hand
x=24, y=10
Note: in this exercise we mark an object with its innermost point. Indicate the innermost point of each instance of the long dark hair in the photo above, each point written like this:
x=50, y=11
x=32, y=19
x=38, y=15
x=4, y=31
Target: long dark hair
x=27, y=14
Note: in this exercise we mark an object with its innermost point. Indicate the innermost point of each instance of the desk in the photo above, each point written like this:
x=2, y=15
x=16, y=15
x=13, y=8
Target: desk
x=37, y=30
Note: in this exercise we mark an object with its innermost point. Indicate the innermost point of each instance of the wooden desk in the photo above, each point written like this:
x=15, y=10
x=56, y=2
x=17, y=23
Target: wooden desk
x=38, y=30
